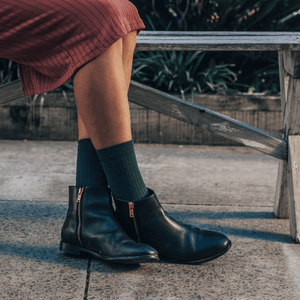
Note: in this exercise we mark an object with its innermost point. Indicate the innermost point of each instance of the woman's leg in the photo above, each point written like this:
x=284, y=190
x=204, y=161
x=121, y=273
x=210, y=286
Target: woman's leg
x=128, y=43
x=89, y=171
x=101, y=94
x=101, y=89
x=97, y=230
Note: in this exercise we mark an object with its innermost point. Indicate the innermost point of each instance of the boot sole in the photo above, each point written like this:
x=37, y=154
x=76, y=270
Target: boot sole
x=75, y=250
x=200, y=261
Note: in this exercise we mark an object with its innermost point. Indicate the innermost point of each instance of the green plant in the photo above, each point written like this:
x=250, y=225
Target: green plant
x=8, y=71
x=222, y=15
x=182, y=72
x=229, y=15
x=266, y=78
x=229, y=71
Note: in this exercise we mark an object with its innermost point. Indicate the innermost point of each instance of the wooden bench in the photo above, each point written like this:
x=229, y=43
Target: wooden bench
x=286, y=149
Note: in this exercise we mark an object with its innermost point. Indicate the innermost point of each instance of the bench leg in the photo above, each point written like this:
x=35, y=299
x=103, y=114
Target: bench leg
x=281, y=197
x=293, y=186
x=289, y=176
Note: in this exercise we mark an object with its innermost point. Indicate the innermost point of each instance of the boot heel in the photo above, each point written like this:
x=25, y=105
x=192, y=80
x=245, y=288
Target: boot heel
x=69, y=249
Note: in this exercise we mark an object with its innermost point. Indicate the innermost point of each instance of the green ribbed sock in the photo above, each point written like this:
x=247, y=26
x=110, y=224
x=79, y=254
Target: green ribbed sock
x=122, y=172
x=89, y=171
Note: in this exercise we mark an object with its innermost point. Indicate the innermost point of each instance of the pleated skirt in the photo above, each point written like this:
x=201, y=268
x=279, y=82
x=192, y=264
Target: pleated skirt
x=51, y=39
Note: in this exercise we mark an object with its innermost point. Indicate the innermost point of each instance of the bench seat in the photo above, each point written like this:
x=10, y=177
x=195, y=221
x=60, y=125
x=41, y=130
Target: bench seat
x=217, y=41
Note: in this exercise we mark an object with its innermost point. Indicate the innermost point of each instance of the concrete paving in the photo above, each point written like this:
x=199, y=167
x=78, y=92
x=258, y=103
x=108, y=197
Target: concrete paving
x=227, y=189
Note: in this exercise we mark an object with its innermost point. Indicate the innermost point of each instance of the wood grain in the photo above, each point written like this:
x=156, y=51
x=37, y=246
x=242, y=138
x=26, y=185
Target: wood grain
x=208, y=120
x=292, y=63
x=29, y=122
x=10, y=92
x=152, y=127
x=149, y=126
x=230, y=102
x=220, y=33
x=217, y=41
x=293, y=181
x=281, y=196
x=241, y=102
x=291, y=123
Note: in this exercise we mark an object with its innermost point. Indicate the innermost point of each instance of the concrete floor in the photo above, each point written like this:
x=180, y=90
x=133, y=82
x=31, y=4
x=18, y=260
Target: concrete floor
x=227, y=189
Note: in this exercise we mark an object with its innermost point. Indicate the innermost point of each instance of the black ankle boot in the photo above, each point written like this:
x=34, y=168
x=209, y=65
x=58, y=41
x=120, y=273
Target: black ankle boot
x=91, y=227
x=145, y=221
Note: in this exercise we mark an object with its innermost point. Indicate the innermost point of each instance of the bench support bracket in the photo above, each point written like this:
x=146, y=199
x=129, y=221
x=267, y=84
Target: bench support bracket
x=204, y=118
x=287, y=196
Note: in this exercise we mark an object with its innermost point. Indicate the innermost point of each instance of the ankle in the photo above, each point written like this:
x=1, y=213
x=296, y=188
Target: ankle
x=89, y=171
x=123, y=175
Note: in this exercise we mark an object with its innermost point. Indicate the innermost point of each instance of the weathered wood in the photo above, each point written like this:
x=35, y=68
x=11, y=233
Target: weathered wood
x=56, y=99
x=218, y=102
x=151, y=127
x=10, y=92
x=291, y=118
x=208, y=120
x=281, y=198
x=292, y=63
x=241, y=102
x=291, y=123
x=217, y=41
x=220, y=33
x=28, y=122
x=147, y=126
x=293, y=182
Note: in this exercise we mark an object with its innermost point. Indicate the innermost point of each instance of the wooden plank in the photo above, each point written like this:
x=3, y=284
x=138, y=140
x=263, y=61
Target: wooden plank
x=50, y=100
x=217, y=41
x=163, y=130
x=216, y=102
x=208, y=45
x=242, y=102
x=291, y=103
x=292, y=63
x=220, y=33
x=291, y=123
x=55, y=123
x=227, y=39
x=11, y=92
x=12, y=95
x=264, y=41
x=293, y=181
x=224, y=104
x=281, y=196
x=208, y=120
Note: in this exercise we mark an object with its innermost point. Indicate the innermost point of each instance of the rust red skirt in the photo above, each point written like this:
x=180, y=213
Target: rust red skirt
x=51, y=39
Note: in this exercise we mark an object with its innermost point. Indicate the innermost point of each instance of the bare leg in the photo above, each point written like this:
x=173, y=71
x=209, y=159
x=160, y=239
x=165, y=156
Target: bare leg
x=101, y=94
x=101, y=89
x=128, y=46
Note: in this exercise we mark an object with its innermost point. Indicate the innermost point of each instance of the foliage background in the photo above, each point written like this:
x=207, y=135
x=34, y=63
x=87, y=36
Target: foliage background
x=253, y=71
x=211, y=71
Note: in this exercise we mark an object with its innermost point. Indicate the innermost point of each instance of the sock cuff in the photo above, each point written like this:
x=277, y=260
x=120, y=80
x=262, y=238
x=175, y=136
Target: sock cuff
x=85, y=145
x=113, y=152
x=89, y=171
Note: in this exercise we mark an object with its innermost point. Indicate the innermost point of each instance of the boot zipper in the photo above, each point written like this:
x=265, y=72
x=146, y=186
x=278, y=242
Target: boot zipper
x=131, y=215
x=80, y=192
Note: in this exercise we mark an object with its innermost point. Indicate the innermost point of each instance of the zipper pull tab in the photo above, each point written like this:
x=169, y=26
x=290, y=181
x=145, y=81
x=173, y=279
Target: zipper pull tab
x=131, y=209
x=80, y=192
